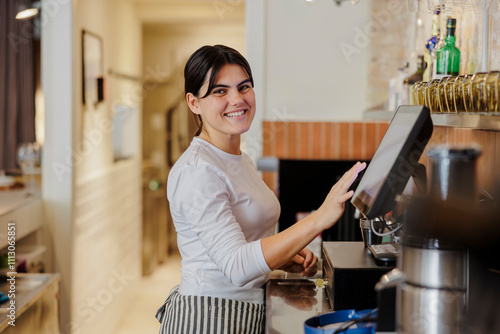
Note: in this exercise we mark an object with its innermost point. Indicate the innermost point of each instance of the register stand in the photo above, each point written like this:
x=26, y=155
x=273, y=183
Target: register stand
x=351, y=273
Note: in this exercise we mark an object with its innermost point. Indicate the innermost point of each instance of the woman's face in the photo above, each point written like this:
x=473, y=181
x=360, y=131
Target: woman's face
x=229, y=108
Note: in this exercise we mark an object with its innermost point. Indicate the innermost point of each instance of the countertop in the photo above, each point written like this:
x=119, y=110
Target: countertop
x=28, y=289
x=23, y=209
x=14, y=199
x=291, y=301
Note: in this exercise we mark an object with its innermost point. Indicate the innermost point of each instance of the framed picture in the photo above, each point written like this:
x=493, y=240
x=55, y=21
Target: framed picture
x=92, y=69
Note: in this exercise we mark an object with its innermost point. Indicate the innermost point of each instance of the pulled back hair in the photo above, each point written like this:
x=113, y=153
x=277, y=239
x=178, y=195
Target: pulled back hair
x=199, y=64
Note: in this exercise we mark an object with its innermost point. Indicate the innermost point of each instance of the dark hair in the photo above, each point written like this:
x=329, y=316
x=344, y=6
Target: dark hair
x=201, y=61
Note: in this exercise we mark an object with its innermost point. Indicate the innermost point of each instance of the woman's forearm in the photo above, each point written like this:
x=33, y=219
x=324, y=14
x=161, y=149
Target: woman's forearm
x=281, y=247
x=278, y=249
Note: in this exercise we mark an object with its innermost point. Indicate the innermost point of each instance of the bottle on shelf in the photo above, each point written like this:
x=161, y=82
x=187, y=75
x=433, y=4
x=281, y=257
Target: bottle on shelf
x=396, y=94
x=419, y=48
x=430, y=45
x=411, y=80
x=448, y=56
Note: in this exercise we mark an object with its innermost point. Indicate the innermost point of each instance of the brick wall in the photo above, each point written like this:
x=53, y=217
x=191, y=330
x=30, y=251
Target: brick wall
x=359, y=141
x=320, y=141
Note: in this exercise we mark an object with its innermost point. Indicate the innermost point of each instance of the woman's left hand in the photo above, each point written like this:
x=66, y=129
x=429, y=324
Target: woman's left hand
x=305, y=262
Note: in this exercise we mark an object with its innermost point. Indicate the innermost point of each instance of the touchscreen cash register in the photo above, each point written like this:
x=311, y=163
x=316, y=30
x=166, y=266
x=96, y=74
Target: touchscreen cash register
x=394, y=162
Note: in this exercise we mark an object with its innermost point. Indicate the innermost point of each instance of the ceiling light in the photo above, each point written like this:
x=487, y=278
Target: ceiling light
x=27, y=10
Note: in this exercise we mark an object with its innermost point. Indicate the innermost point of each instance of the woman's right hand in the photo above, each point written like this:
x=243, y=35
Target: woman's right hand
x=333, y=207
x=280, y=248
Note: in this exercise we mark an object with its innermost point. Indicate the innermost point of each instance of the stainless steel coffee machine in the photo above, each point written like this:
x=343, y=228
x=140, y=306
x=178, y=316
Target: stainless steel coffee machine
x=443, y=229
x=432, y=296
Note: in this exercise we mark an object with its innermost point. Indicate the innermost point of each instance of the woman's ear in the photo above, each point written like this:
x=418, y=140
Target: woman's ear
x=192, y=102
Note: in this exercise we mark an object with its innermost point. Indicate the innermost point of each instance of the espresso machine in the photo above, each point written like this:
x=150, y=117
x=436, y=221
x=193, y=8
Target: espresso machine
x=430, y=289
x=433, y=295
x=448, y=272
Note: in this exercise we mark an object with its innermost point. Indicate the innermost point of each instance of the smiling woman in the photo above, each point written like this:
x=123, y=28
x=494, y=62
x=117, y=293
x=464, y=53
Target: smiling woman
x=202, y=80
x=227, y=109
x=223, y=212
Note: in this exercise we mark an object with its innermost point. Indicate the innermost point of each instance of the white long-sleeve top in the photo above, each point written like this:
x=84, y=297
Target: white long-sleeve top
x=221, y=209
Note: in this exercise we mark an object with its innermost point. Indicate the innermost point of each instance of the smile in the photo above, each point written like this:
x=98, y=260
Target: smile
x=235, y=113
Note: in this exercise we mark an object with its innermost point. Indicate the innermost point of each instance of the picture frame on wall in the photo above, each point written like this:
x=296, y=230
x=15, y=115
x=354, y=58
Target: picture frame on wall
x=92, y=69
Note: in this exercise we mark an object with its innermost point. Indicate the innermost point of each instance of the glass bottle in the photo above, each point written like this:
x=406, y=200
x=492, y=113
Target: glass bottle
x=448, y=57
x=412, y=79
x=419, y=48
x=430, y=52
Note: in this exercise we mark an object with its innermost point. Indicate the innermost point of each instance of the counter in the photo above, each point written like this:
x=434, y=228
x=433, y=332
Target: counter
x=36, y=300
x=11, y=200
x=24, y=209
x=290, y=301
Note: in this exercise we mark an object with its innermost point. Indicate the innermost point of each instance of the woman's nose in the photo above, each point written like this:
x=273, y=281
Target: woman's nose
x=235, y=98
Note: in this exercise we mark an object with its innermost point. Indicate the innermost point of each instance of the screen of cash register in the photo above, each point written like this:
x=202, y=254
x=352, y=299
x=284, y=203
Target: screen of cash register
x=394, y=162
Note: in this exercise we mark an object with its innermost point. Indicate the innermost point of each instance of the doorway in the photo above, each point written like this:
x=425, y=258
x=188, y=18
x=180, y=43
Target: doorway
x=168, y=125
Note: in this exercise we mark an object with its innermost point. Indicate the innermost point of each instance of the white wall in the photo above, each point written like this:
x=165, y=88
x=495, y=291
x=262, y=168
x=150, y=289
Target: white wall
x=93, y=204
x=295, y=50
x=58, y=177
x=307, y=72
x=108, y=194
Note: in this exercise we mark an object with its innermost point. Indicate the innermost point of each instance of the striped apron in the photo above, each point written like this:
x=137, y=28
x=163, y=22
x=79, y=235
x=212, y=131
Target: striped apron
x=209, y=315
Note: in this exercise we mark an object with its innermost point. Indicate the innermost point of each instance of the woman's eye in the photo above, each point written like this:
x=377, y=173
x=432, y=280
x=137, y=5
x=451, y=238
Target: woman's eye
x=244, y=88
x=219, y=91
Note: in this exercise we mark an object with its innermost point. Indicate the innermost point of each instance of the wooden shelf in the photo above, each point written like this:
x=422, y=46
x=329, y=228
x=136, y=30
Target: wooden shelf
x=479, y=122
x=471, y=121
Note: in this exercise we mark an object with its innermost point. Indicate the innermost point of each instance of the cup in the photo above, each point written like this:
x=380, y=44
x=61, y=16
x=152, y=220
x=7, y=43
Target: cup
x=467, y=93
x=458, y=94
x=413, y=94
x=491, y=91
x=431, y=95
x=442, y=94
x=28, y=159
x=448, y=92
x=420, y=93
x=369, y=237
x=477, y=90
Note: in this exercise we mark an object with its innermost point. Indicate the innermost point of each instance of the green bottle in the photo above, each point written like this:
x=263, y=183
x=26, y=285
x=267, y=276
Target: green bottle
x=448, y=56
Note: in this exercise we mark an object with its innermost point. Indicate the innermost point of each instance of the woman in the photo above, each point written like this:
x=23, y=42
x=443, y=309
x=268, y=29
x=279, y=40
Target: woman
x=223, y=212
